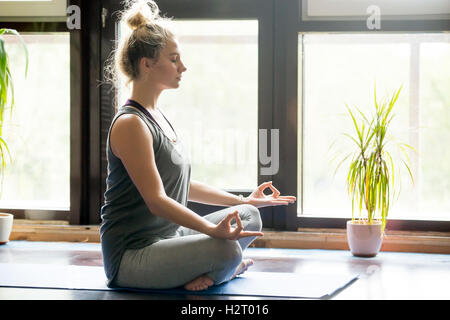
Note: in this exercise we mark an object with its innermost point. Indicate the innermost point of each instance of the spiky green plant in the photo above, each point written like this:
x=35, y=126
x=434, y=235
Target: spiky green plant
x=370, y=180
x=7, y=91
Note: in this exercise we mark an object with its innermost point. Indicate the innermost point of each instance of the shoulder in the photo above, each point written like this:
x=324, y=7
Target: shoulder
x=129, y=128
x=129, y=123
x=132, y=116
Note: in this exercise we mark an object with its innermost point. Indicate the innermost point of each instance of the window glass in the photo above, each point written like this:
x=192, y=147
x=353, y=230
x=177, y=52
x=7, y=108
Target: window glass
x=343, y=68
x=38, y=133
x=215, y=109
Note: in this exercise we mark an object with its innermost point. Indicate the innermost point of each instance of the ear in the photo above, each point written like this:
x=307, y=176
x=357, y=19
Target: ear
x=146, y=64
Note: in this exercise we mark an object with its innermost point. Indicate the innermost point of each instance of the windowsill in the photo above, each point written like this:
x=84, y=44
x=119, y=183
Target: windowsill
x=336, y=239
x=331, y=239
x=53, y=230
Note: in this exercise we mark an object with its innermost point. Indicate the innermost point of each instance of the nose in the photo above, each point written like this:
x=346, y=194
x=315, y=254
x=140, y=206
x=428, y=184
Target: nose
x=182, y=67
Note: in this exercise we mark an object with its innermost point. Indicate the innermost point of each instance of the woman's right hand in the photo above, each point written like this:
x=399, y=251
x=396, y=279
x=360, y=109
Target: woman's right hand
x=223, y=229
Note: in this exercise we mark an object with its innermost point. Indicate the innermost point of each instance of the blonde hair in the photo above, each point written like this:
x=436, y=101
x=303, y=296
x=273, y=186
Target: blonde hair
x=149, y=34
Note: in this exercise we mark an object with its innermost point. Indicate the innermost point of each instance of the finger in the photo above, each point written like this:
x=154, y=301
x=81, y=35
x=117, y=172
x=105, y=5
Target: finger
x=282, y=200
x=236, y=232
x=238, y=229
x=288, y=197
x=239, y=221
x=276, y=193
x=265, y=184
x=230, y=216
x=278, y=202
x=268, y=184
x=244, y=234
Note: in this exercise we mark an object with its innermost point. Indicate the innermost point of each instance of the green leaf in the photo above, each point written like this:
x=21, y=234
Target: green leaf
x=355, y=124
x=410, y=174
x=7, y=149
x=11, y=89
x=340, y=163
x=357, y=143
x=12, y=31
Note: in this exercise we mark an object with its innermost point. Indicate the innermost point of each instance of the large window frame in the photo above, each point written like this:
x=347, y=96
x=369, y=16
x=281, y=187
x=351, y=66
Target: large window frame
x=84, y=75
x=279, y=91
x=262, y=10
x=41, y=214
x=298, y=25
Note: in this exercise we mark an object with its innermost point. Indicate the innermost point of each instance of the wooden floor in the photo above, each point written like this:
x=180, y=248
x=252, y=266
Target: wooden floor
x=390, y=275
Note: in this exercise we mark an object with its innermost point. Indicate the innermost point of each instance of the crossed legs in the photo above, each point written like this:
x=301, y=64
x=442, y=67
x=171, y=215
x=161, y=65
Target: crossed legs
x=191, y=255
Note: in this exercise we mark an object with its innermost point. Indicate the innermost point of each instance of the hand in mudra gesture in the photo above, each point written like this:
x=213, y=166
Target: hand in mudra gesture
x=259, y=199
x=224, y=230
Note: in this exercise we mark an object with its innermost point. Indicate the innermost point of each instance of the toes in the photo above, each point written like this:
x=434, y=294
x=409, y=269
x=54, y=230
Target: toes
x=207, y=282
x=248, y=263
x=245, y=264
x=200, y=283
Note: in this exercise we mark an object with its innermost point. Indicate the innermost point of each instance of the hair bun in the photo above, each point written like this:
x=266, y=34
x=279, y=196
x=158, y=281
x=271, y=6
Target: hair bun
x=140, y=13
x=137, y=20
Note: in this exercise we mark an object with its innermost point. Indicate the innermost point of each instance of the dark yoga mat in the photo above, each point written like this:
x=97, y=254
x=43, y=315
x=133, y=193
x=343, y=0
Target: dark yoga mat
x=269, y=284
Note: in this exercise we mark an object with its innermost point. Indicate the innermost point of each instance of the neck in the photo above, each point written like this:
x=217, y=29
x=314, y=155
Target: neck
x=146, y=95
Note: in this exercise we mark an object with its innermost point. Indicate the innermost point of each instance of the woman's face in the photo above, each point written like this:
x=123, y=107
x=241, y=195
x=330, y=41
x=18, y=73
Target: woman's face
x=166, y=72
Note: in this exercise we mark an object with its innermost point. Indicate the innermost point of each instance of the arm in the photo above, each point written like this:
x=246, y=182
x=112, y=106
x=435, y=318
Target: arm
x=202, y=193
x=131, y=141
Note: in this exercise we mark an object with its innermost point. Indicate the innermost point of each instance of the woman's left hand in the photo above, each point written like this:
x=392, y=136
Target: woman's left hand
x=259, y=199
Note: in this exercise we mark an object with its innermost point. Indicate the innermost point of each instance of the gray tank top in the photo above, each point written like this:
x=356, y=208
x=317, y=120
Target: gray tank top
x=126, y=220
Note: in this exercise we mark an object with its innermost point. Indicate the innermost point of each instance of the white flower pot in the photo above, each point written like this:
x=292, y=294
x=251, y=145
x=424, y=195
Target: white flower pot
x=364, y=239
x=6, y=223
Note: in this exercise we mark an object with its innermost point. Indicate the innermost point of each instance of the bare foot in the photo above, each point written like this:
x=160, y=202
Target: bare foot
x=243, y=266
x=199, y=283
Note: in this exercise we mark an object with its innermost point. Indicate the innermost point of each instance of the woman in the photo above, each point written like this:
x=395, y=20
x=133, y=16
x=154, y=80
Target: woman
x=150, y=239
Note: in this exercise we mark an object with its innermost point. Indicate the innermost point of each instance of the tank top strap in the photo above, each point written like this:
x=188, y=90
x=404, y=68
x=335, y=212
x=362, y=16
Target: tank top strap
x=136, y=104
x=168, y=122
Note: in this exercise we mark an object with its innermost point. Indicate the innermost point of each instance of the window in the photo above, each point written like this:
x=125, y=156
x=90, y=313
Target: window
x=33, y=9
x=307, y=61
x=215, y=109
x=343, y=68
x=356, y=9
x=49, y=134
x=38, y=133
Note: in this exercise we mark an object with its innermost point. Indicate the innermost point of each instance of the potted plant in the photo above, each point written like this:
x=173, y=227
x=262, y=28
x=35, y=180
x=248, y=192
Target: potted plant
x=370, y=179
x=6, y=100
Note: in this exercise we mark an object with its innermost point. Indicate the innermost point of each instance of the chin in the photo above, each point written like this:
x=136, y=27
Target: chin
x=175, y=86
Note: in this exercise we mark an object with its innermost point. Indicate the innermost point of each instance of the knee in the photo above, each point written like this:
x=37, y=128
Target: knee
x=253, y=216
x=229, y=253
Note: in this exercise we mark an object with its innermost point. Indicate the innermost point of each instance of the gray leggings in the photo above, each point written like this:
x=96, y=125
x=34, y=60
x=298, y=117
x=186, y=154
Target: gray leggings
x=176, y=261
